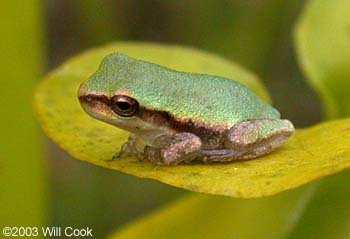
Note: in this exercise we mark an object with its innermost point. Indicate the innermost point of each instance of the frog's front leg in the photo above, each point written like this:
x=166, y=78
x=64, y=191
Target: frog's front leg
x=173, y=149
x=131, y=147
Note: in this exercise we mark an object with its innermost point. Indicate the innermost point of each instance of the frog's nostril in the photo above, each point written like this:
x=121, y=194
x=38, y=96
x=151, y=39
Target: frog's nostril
x=88, y=98
x=93, y=100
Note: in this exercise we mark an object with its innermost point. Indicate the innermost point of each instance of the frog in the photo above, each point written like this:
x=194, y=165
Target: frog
x=176, y=117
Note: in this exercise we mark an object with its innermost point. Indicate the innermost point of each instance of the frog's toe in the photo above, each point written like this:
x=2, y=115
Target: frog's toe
x=116, y=156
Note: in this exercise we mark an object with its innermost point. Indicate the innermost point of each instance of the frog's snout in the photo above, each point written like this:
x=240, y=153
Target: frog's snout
x=93, y=101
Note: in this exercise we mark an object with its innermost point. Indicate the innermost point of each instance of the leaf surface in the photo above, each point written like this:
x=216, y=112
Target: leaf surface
x=308, y=155
x=322, y=40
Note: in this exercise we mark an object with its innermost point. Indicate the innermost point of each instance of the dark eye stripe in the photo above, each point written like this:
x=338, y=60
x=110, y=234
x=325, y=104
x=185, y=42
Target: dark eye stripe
x=91, y=99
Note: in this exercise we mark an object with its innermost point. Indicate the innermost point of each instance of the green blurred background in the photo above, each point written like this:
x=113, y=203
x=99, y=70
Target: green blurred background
x=41, y=184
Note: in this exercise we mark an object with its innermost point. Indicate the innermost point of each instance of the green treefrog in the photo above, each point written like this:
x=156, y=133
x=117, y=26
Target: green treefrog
x=178, y=117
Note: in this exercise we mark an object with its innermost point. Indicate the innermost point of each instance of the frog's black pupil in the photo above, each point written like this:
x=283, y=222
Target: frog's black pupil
x=123, y=105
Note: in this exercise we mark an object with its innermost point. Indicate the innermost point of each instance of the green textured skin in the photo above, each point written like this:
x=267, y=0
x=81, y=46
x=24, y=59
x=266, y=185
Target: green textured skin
x=207, y=98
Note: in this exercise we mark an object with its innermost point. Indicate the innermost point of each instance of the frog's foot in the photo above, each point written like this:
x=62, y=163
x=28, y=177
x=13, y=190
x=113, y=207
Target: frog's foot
x=251, y=139
x=129, y=148
x=173, y=149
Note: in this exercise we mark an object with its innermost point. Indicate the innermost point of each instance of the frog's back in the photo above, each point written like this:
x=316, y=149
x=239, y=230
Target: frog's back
x=211, y=99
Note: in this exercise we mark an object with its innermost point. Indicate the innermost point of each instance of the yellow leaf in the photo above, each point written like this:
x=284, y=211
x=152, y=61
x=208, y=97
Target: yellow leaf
x=309, y=154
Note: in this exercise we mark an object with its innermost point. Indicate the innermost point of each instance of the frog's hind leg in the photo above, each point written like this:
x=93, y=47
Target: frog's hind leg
x=258, y=137
x=250, y=139
x=220, y=155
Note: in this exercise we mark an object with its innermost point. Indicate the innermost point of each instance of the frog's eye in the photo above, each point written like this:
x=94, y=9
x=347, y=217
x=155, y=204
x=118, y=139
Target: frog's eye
x=124, y=105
